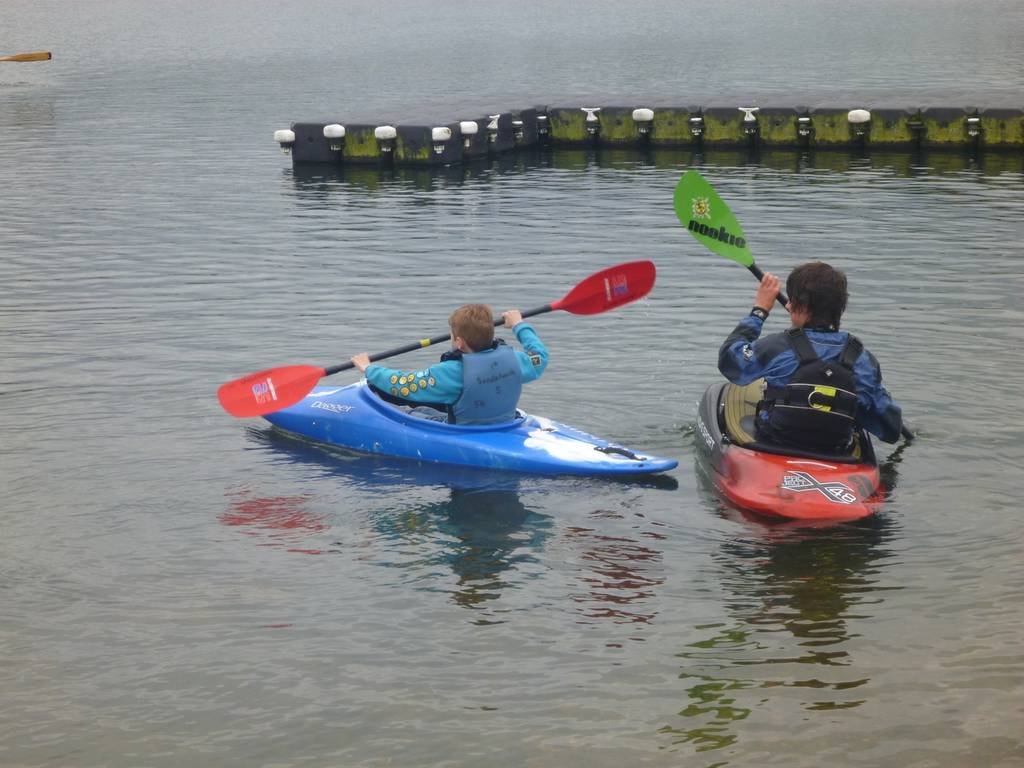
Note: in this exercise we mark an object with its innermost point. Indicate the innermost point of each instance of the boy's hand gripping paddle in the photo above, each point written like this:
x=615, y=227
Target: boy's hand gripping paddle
x=275, y=388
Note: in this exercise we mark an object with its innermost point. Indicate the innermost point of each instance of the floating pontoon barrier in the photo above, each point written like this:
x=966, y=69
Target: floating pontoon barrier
x=694, y=126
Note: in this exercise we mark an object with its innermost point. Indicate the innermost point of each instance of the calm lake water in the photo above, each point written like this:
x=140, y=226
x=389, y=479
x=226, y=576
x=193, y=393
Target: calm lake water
x=178, y=587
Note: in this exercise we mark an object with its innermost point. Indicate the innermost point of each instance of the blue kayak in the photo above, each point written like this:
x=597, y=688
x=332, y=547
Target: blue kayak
x=355, y=418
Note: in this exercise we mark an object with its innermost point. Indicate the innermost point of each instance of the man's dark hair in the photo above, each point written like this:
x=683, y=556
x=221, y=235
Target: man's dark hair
x=820, y=288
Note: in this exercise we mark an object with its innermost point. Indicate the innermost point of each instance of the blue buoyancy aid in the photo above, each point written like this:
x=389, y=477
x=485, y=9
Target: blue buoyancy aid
x=491, y=383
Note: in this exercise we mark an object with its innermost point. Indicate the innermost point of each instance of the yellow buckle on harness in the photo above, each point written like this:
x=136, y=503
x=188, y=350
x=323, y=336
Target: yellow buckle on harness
x=829, y=392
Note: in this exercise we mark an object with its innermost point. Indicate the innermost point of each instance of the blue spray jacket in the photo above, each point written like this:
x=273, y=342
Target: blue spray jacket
x=441, y=383
x=745, y=357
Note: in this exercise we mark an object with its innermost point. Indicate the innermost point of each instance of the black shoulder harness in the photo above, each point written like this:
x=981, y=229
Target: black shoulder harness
x=805, y=350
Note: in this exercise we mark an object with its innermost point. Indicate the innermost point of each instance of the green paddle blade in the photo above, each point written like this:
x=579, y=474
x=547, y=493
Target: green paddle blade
x=702, y=211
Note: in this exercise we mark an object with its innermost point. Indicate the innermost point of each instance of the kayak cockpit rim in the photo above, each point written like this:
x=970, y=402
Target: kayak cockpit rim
x=864, y=444
x=396, y=414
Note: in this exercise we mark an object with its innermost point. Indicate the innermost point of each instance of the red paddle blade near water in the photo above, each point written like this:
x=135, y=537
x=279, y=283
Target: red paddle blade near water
x=268, y=391
x=609, y=288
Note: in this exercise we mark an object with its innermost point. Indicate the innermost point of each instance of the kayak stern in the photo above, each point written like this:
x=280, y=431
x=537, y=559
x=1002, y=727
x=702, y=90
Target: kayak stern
x=791, y=487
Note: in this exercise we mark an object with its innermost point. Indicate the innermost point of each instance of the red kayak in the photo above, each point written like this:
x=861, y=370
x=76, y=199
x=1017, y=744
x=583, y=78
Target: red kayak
x=794, y=485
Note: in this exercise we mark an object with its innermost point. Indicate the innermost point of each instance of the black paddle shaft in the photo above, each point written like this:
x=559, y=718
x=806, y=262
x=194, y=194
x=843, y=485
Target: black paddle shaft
x=422, y=343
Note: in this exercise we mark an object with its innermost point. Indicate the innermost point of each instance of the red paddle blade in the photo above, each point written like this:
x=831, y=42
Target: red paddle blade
x=267, y=391
x=609, y=288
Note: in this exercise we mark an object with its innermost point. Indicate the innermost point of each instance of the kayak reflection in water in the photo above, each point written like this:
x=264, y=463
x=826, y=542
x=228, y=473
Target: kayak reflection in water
x=481, y=531
x=478, y=382
x=786, y=650
x=492, y=531
x=821, y=383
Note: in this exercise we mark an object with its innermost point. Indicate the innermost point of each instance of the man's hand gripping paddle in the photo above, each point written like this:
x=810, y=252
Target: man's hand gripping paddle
x=275, y=388
x=709, y=220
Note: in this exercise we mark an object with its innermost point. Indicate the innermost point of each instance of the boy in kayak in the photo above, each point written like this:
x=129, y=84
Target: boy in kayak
x=821, y=382
x=478, y=381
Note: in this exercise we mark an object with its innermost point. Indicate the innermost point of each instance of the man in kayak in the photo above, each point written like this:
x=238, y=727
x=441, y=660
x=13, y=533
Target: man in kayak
x=478, y=381
x=821, y=383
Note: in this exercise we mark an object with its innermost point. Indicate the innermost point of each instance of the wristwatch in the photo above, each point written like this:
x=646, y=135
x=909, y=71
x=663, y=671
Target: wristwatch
x=760, y=314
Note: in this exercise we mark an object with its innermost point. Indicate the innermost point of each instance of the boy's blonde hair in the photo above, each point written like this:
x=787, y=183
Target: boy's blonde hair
x=475, y=324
